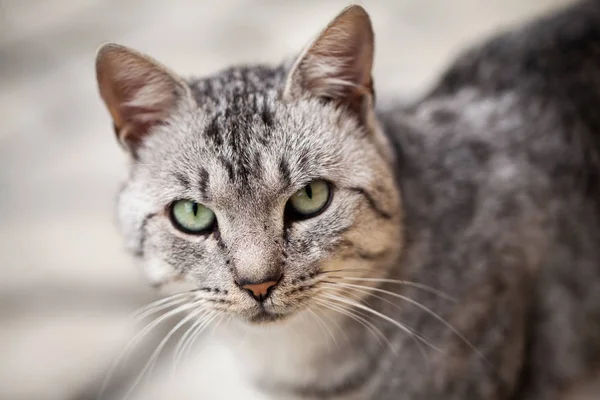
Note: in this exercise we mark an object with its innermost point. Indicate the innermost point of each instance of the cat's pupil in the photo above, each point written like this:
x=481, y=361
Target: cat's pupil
x=308, y=191
x=195, y=209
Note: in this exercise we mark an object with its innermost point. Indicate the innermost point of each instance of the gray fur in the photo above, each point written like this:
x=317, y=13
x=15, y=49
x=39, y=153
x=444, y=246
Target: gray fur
x=491, y=194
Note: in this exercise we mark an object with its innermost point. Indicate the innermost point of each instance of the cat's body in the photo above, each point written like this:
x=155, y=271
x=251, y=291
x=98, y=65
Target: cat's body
x=499, y=171
x=487, y=189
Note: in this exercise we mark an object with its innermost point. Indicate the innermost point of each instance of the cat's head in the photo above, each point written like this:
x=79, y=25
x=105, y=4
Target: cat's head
x=256, y=184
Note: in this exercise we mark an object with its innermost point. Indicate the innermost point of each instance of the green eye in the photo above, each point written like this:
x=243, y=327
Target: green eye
x=311, y=199
x=191, y=217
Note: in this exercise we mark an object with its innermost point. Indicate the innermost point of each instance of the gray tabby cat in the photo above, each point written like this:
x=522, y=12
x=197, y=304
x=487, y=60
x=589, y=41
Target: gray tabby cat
x=446, y=250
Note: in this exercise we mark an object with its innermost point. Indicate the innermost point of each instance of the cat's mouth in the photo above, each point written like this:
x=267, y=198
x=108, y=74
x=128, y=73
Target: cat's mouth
x=262, y=315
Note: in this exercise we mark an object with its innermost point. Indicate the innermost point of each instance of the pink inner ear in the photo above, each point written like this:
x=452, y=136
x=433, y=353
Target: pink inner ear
x=143, y=101
x=143, y=114
x=138, y=121
x=338, y=64
x=139, y=92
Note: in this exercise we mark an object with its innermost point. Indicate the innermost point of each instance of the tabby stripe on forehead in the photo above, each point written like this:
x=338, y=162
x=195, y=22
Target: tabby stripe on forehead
x=183, y=180
x=372, y=203
x=228, y=165
x=203, y=179
x=256, y=162
x=213, y=131
x=266, y=114
x=284, y=170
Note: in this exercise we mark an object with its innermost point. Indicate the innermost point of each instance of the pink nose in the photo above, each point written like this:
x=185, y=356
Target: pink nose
x=259, y=290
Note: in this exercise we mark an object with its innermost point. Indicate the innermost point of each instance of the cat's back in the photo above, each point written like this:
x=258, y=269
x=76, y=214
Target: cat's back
x=529, y=97
x=501, y=161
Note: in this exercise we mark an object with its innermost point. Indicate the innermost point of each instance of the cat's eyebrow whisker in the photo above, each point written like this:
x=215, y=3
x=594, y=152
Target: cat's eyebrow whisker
x=429, y=311
x=400, y=282
x=153, y=357
x=382, y=316
x=136, y=339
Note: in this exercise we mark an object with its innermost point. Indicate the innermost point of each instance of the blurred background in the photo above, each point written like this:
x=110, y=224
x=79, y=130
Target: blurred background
x=66, y=283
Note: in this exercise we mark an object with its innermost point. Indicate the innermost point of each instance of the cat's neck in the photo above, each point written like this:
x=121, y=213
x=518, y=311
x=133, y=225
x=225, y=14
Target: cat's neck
x=314, y=352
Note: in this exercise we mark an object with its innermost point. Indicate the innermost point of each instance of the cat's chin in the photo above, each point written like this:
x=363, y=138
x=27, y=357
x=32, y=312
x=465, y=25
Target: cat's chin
x=266, y=317
x=269, y=314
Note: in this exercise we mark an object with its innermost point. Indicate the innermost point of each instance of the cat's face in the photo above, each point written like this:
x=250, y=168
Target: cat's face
x=256, y=185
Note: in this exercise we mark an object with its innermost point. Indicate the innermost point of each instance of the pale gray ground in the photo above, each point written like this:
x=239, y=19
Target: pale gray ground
x=65, y=279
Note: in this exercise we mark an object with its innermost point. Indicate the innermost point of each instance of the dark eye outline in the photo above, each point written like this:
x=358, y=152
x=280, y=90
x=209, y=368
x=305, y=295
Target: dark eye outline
x=211, y=228
x=294, y=215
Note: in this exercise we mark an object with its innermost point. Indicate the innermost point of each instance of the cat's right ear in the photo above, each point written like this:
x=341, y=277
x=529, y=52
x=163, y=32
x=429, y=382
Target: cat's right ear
x=337, y=64
x=139, y=92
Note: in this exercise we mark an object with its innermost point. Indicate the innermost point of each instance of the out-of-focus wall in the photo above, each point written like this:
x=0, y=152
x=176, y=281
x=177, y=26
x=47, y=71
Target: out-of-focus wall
x=65, y=281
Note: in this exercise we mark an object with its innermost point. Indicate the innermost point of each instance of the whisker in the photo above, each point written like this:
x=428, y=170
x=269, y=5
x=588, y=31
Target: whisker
x=139, y=313
x=400, y=282
x=160, y=307
x=422, y=307
x=385, y=317
x=134, y=341
x=337, y=326
x=152, y=360
x=362, y=318
x=194, y=337
x=185, y=344
x=215, y=326
x=179, y=348
x=346, y=270
x=367, y=324
x=305, y=322
x=418, y=343
x=363, y=300
x=347, y=291
x=326, y=327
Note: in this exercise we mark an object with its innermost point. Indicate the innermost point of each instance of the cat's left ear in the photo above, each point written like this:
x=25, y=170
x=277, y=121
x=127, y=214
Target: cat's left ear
x=337, y=64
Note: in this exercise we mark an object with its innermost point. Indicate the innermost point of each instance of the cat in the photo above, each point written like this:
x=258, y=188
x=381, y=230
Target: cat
x=446, y=249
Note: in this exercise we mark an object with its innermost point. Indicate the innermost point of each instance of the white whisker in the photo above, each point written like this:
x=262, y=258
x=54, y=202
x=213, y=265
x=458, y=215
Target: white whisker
x=418, y=343
x=337, y=326
x=400, y=282
x=152, y=360
x=142, y=312
x=326, y=327
x=422, y=307
x=158, y=308
x=385, y=317
x=188, y=350
x=180, y=347
x=215, y=326
x=367, y=324
x=134, y=341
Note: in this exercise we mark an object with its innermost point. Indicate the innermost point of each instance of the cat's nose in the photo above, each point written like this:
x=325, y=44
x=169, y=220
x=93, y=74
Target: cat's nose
x=260, y=290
